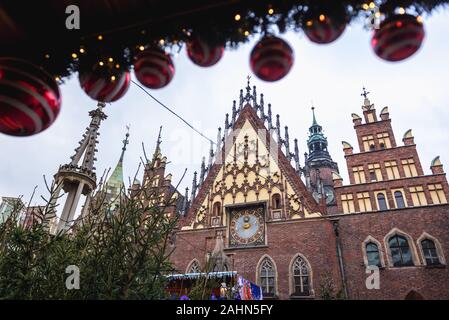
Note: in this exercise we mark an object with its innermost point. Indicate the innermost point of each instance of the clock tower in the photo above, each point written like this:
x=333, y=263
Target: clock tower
x=319, y=165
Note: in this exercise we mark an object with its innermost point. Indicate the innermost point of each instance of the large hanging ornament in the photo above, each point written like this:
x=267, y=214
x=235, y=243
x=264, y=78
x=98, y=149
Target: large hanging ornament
x=271, y=59
x=154, y=68
x=29, y=98
x=105, y=86
x=323, y=29
x=203, y=54
x=398, y=37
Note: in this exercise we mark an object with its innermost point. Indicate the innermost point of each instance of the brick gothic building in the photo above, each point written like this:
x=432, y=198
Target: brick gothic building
x=289, y=236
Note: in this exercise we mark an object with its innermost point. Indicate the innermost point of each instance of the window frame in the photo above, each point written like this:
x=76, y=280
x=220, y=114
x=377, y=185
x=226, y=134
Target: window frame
x=275, y=275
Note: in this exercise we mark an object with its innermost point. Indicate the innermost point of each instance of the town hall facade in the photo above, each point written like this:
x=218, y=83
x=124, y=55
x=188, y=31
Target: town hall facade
x=298, y=231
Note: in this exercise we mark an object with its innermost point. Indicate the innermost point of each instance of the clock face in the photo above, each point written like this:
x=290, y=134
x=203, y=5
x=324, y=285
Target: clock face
x=247, y=226
x=329, y=193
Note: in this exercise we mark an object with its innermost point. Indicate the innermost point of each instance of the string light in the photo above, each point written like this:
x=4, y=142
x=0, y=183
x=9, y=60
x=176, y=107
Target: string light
x=100, y=37
x=110, y=59
x=372, y=5
x=57, y=78
x=161, y=42
x=270, y=11
x=309, y=23
x=419, y=19
x=237, y=17
x=101, y=63
x=112, y=78
x=141, y=48
x=246, y=33
x=74, y=55
x=322, y=17
x=365, y=6
x=117, y=66
x=82, y=50
x=401, y=10
x=47, y=56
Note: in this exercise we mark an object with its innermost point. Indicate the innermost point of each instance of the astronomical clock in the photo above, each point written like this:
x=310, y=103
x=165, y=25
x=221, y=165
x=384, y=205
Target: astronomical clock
x=247, y=226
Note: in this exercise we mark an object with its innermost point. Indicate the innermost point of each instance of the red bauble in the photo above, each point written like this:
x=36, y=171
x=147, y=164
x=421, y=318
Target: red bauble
x=105, y=88
x=29, y=98
x=398, y=37
x=271, y=59
x=322, y=29
x=202, y=54
x=154, y=68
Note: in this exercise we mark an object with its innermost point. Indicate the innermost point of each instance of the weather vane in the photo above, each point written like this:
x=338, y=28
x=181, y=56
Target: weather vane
x=365, y=93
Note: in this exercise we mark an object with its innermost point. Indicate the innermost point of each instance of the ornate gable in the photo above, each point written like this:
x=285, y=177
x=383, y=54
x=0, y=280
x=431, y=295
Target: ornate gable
x=250, y=168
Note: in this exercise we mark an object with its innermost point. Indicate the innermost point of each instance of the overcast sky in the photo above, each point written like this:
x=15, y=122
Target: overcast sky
x=416, y=92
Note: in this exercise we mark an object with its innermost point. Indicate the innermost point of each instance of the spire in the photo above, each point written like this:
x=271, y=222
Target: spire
x=157, y=150
x=115, y=182
x=317, y=142
x=78, y=177
x=87, y=145
x=314, y=122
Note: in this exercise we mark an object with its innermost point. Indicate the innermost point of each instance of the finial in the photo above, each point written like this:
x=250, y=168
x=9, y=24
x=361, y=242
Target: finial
x=314, y=122
x=287, y=144
x=278, y=128
x=234, y=112
x=248, y=87
x=125, y=142
x=194, y=185
x=270, y=123
x=203, y=170
x=262, y=108
x=365, y=93
x=241, y=100
x=297, y=156
x=254, y=98
x=211, y=154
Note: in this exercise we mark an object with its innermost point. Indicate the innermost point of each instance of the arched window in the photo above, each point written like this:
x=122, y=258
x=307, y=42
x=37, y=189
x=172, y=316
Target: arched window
x=276, y=201
x=400, y=251
x=399, y=197
x=194, y=267
x=301, y=279
x=430, y=253
x=216, y=209
x=372, y=254
x=267, y=277
x=381, y=202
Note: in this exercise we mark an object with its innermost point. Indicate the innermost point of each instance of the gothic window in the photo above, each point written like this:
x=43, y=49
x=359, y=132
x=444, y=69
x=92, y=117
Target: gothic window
x=347, y=202
x=267, y=277
x=276, y=201
x=392, y=170
x=399, y=198
x=430, y=252
x=418, y=196
x=381, y=201
x=364, y=201
x=401, y=254
x=409, y=167
x=301, y=278
x=437, y=193
x=372, y=254
x=194, y=267
x=216, y=209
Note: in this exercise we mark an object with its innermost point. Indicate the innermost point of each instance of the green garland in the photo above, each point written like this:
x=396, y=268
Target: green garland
x=232, y=23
